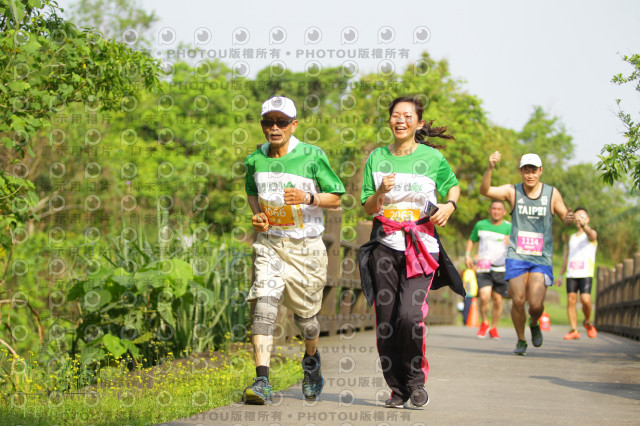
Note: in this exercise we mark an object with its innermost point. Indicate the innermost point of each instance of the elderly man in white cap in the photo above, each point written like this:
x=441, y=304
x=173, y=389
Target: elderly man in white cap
x=529, y=266
x=288, y=183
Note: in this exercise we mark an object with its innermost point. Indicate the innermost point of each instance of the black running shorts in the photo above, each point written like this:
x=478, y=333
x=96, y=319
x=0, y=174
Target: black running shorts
x=582, y=284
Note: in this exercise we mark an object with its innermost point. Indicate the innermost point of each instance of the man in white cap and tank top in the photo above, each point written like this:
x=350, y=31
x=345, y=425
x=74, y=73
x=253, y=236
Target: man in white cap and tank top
x=529, y=266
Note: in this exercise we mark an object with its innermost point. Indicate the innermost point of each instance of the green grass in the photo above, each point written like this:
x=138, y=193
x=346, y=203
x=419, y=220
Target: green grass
x=159, y=394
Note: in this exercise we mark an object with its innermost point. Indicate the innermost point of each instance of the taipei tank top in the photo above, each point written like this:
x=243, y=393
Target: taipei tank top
x=531, y=237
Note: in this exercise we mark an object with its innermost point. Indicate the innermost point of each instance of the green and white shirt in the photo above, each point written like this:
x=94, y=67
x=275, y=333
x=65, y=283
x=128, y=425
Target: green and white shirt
x=492, y=250
x=418, y=176
x=304, y=167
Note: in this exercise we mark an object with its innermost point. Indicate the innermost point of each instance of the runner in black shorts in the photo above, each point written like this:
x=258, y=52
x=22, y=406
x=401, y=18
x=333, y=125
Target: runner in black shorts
x=579, y=264
x=493, y=237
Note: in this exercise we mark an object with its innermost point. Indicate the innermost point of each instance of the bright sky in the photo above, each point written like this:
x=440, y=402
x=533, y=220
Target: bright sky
x=513, y=55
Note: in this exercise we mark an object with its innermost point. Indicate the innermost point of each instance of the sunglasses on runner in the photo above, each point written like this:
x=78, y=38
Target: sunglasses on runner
x=268, y=123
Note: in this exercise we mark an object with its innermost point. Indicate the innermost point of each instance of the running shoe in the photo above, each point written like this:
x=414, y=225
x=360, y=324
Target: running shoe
x=418, y=395
x=395, y=401
x=572, y=335
x=482, y=332
x=259, y=393
x=591, y=330
x=521, y=348
x=494, y=333
x=313, y=382
x=536, y=335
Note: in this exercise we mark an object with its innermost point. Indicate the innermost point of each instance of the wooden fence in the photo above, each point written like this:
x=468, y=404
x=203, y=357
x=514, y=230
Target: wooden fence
x=344, y=307
x=618, y=299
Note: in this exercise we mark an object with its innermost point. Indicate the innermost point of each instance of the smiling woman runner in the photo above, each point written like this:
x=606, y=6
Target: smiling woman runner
x=397, y=266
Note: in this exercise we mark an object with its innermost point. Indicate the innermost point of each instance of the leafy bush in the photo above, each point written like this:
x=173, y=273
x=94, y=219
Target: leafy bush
x=178, y=296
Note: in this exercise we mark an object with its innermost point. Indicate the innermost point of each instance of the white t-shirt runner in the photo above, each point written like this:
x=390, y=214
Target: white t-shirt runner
x=582, y=256
x=418, y=177
x=304, y=167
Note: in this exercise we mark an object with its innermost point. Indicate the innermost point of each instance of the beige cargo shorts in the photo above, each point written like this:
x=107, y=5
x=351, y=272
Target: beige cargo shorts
x=291, y=270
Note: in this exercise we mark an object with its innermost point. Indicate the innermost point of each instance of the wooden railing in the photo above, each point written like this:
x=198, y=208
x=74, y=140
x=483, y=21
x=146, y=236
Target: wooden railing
x=618, y=299
x=344, y=307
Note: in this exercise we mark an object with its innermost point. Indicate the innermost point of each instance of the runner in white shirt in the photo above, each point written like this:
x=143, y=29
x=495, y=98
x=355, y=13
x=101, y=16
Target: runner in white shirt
x=579, y=265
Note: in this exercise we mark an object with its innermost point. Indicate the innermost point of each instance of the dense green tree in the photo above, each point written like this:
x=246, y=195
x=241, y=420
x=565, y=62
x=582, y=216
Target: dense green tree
x=46, y=65
x=618, y=160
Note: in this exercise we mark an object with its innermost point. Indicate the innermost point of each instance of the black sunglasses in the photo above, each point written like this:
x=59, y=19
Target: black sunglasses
x=268, y=123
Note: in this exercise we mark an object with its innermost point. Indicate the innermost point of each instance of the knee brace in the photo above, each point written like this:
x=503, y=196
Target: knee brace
x=309, y=327
x=264, y=315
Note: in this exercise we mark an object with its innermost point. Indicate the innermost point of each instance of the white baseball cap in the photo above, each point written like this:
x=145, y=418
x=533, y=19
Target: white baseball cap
x=279, y=103
x=530, y=159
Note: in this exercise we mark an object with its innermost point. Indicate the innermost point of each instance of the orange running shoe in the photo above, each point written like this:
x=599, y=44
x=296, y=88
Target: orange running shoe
x=573, y=334
x=591, y=330
x=494, y=333
x=482, y=333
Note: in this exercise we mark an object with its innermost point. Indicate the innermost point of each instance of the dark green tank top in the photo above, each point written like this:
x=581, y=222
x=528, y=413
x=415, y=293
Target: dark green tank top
x=531, y=235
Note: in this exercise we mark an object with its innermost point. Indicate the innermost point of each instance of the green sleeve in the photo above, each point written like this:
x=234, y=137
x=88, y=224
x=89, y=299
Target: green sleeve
x=249, y=181
x=508, y=228
x=445, y=180
x=474, y=233
x=326, y=178
x=368, y=187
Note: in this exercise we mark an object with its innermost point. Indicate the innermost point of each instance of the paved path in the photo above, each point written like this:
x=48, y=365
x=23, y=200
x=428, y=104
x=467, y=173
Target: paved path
x=471, y=381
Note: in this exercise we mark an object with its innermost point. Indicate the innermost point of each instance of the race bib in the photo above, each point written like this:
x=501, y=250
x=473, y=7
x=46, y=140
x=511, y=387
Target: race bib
x=529, y=243
x=401, y=215
x=577, y=265
x=284, y=217
x=484, y=265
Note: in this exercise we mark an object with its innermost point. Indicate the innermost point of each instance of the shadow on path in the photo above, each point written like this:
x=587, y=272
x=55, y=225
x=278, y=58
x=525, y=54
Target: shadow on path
x=624, y=390
x=344, y=398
